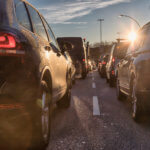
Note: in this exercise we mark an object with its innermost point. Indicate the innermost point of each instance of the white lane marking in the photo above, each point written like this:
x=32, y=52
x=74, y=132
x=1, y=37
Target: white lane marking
x=93, y=85
x=96, y=108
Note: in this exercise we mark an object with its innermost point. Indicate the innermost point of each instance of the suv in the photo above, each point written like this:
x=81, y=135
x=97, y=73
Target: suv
x=117, y=53
x=78, y=54
x=33, y=70
x=133, y=73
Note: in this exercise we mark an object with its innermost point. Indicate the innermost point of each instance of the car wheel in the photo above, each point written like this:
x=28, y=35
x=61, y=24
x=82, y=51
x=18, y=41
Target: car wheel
x=135, y=105
x=111, y=83
x=107, y=80
x=118, y=92
x=42, y=119
x=64, y=102
x=83, y=76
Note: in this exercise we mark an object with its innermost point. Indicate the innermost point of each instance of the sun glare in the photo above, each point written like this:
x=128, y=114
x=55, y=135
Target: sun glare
x=132, y=36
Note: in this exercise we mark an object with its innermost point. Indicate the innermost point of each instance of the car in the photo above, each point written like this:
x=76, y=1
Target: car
x=117, y=52
x=34, y=72
x=102, y=66
x=78, y=54
x=100, y=62
x=70, y=62
x=133, y=73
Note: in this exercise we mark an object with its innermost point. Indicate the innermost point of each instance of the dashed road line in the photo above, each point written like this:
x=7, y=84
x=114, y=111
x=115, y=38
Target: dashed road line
x=96, y=108
x=93, y=85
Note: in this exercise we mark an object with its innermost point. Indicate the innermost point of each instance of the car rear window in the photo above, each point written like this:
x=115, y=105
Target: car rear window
x=77, y=53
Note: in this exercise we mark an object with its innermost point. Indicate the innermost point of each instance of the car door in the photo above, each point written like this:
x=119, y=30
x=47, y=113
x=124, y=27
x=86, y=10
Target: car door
x=127, y=67
x=44, y=49
x=60, y=64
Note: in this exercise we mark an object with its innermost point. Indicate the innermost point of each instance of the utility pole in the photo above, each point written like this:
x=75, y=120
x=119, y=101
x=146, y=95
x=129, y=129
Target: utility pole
x=100, y=20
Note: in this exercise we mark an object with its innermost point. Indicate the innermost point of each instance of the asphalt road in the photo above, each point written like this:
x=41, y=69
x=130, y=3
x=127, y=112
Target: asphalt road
x=96, y=120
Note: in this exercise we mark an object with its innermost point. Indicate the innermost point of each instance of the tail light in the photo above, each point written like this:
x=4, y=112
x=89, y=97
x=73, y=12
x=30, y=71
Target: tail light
x=113, y=60
x=83, y=59
x=10, y=45
x=104, y=63
x=113, y=72
x=7, y=41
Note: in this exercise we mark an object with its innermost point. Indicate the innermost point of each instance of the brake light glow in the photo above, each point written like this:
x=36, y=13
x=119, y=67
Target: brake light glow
x=113, y=60
x=104, y=63
x=83, y=59
x=7, y=41
x=2, y=38
x=113, y=72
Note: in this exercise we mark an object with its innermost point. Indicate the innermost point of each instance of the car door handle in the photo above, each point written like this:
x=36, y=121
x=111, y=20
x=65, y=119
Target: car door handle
x=47, y=48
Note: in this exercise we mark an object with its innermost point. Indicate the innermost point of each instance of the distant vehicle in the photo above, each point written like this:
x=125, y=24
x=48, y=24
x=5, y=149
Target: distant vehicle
x=70, y=62
x=133, y=73
x=117, y=53
x=33, y=70
x=78, y=54
x=102, y=65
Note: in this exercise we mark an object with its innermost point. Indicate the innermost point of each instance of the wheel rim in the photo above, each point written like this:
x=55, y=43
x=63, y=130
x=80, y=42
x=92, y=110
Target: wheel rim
x=134, y=102
x=45, y=116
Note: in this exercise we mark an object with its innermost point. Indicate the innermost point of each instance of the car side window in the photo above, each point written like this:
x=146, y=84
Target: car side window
x=50, y=33
x=37, y=23
x=22, y=15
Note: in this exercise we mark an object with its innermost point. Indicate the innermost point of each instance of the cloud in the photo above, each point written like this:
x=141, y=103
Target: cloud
x=63, y=12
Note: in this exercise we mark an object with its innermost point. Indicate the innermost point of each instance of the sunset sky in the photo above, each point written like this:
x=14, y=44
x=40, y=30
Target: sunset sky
x=79, y=17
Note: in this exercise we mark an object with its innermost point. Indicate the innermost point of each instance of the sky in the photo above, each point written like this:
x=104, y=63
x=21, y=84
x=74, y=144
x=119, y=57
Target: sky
x=78, y=18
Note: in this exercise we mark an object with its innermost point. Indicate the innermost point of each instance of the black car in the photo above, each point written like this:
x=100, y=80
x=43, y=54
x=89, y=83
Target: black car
x=34, y=72
x=117, y=52
x=102, y=65
x=78, y=54
x=133, y=73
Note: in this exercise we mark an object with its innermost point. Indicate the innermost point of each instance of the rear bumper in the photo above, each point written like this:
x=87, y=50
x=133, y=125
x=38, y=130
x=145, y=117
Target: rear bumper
x=19, y=79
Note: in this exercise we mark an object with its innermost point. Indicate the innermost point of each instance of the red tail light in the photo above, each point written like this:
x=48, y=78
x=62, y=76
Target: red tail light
x=83, y=59
x=7, y=41
x=113, y=60
x=113, y=72
x=104, y=63
x=10, y=45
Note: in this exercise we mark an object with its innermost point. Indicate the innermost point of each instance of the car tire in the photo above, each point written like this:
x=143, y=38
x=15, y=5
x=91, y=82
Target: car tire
x=83, y=76
x=111, y=83
x=107, y=80
x=118, y=91
x=136, y=109
x=42, y=119
x=65, y=101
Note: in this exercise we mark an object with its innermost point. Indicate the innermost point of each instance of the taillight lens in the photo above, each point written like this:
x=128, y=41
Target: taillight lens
x=104, y=63
x=83, y=59
x=7, y=41
x=113, y=72
x=113, y=60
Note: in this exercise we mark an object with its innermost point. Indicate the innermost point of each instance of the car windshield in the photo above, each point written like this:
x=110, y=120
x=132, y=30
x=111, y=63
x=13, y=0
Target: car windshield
x=74, y=74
